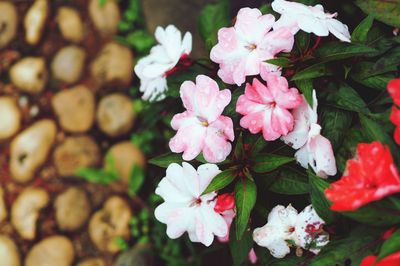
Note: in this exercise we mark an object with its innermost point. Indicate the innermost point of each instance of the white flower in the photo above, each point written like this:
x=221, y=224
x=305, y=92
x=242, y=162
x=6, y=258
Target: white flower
x=163, y=57
x=313, y=148
x=309, y=19
x=285, y=228
x=185, y=208
x=277, y=231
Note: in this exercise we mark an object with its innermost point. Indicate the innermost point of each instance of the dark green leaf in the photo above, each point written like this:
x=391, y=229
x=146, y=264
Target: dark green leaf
x=302, y=41
x=347, y=98
x=239, y=248
x=314, y=71
x=360, y=243
x=379, y=213
x=374, y=131
x=348, y=148
x=361, y=75
x=245, y=199
x=335, y=123
x=230, y=110
x=290, y=182
x=387, y=63
x=222, y=180
x=239, y=149
x=318, y=199
x=166, y=159
x=306, y=87
x=280, y=61
x=386, y=11
x=136, y=179
x=268, y=162
x=360, y=33
x=391, y=245
x=211, y=19
x=333, y=51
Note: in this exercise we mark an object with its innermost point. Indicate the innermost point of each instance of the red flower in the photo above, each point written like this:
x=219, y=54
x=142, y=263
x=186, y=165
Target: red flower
x=395, y=118
x=224, y=202
x=391, y=260
x=371, y=176
x=393, y=88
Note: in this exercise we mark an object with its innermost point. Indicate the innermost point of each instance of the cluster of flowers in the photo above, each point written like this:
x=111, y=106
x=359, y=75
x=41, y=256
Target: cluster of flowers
x=268, y=106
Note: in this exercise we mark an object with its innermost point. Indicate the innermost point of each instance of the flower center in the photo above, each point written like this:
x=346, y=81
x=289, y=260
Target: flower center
x=291, y=229
x=251, y=46
x=203, y=121
x=196, y=202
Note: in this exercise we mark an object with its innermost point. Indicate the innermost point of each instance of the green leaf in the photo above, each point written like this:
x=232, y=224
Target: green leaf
x=212, y=18
x=362, y=76
x=140, y=40
x=302, y=41
x=360, y=33
x=239, y=248
x=318, y=199
x=239, y=149
x=354, y=247
x=314, y=71
x=166, y=159
x=386, y=11
x=335, y=123
x=379, y=213
x=348, y=147
x=245, y=199
x=222, y=180
x=136, y=180
x=306, y=87
x=387, y=63
x=374, y=131
x=102, y=2
x=334, y=51
x=268, y=162
x=230, y=110
x=280, y=61
x=290, y=182
x=347, y=98
x=105, y=176
x=391, y=245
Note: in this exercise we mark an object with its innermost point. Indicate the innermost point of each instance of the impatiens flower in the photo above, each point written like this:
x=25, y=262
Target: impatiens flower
x=242, y=49
x=370, y=176
x=394, y=91
x=202, y=128
x=152, y=70
x=286, y=228
x=185, y=208
x=391, y=260
x=266, y=108
x=393, y=88
x=309, y=19
x=314, y=149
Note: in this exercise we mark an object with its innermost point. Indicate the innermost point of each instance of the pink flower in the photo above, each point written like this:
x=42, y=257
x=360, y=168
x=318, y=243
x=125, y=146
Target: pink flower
x=313, y=148
x=242, y=49
x=309, y=19
x=185, y=208
x=265, y=108
x=202, y=128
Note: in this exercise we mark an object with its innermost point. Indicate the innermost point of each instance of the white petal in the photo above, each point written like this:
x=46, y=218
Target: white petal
x=340, y=30
x=207, y=172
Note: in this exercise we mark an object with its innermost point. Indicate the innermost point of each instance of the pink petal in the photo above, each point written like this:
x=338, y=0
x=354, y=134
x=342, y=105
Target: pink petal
x=216, y=146
x=281, y=121
x=189, y=140
x=254, y=122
